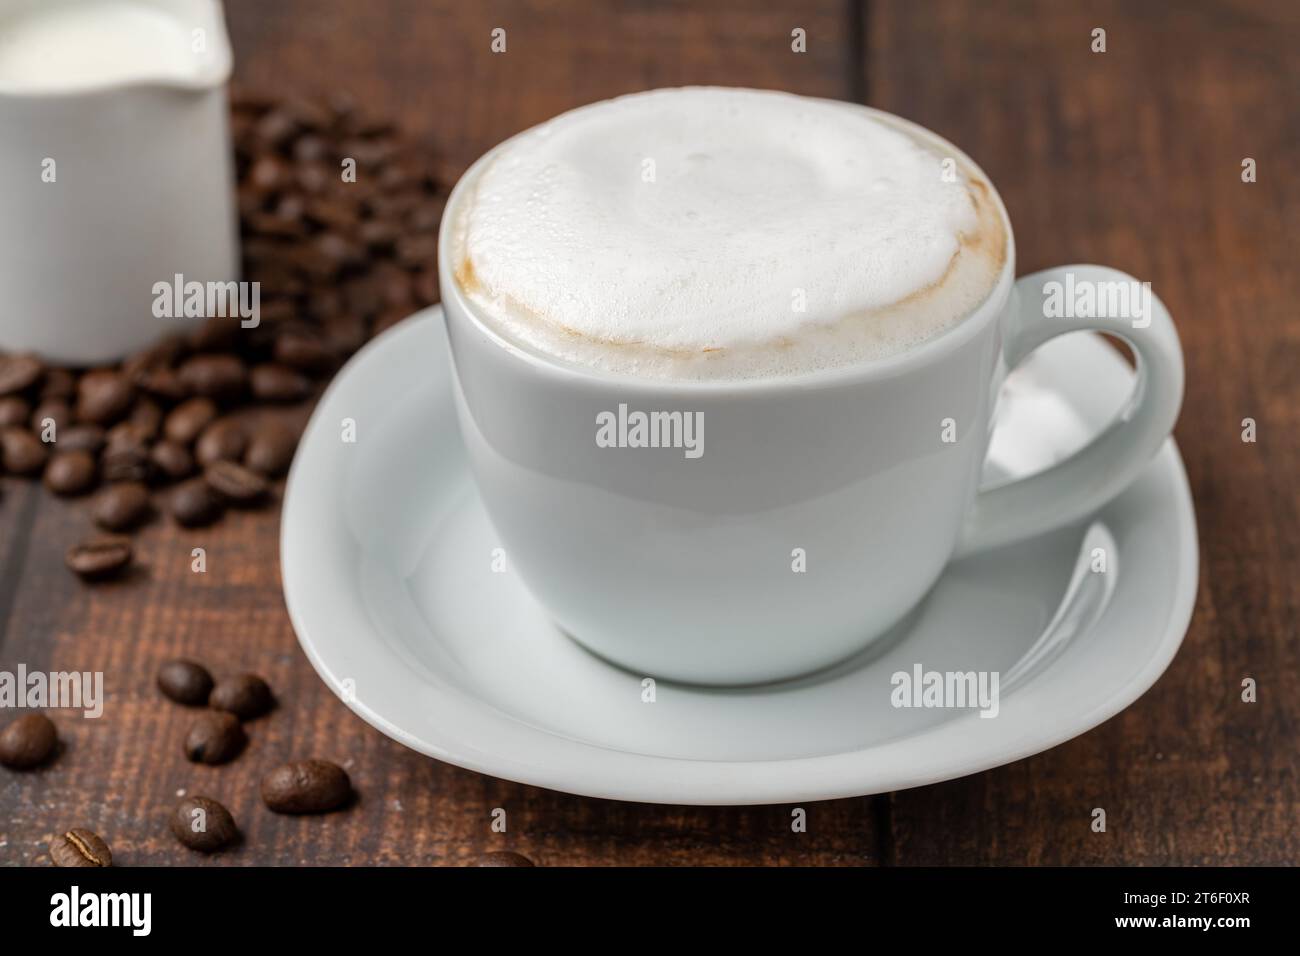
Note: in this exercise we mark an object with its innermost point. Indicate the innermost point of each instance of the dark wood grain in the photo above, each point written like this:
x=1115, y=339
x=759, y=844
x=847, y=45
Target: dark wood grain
x=1130, y=158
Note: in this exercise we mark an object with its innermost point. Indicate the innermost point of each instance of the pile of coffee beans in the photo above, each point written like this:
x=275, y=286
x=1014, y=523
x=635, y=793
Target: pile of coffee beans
x=339, y=217
x=194, y=425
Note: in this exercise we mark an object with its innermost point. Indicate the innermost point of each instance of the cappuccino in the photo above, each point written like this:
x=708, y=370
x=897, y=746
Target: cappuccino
x=722, y=234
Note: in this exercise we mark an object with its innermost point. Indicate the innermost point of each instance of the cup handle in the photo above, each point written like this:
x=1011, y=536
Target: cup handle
x=1096, y=473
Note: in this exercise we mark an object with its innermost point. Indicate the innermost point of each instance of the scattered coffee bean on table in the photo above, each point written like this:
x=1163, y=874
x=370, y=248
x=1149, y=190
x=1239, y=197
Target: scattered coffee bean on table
x=80, y=847
x=504, y=858
x=194, y=504
x=272, y=382
x=87, y=437
x=121, y=506
x=186, y=682
x=21, y=452
x=98, y=559
x=70, y=472
x=203, y=824
x=223, y=440
x=28, y=742
x=237, y=484
x=186, y=421
x=171, y=462
x=103, y=396
x=126, y=454
x=215, y=737
x=270, y=449
x=15, y=412
x=216, y=375
x=244, y=695
x=306, y=786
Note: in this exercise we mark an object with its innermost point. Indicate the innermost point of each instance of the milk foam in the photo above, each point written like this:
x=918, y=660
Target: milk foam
x=716, y=233
x=60, y=45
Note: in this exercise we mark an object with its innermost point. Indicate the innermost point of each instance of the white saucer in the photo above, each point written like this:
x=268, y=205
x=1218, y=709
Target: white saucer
x=387, y=563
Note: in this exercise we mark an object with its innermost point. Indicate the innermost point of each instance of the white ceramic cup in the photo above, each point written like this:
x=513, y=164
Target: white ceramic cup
x=143, y=190
x=686, y=569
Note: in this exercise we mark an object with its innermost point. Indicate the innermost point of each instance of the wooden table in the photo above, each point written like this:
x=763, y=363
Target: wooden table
x=1132, y=157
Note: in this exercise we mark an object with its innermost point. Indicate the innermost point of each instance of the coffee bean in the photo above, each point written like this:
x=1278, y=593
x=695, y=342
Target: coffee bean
x=215, y=737
x=310, y=149
x=193, y=503
x=333, y=251
x=128, y=433
x=81, y=438
x=245, y=695
x=171, y=461
x=504, y=858
x=235, y=483
x=15, y=412
x=306, y=786
x=302, y=350
x=379, y=234
x=314, y=177
x=162, y=383
x=186, y=682
x=276, y=128
x=278, y=310
x=19, y=372
x=186, y=421
x=70, y=472
x=126, y=453
x=203, y=824
x=103, y=396
x=80, y=847
x=28, y=742
x=121, y=506
x=214, y=375
x=269, y=173
x=161, y=355
x=273, y=382
x=223, y=440
x=147, y=416
x=99, y=558
x=58, y=383
x=21, y=452
x=271, y=448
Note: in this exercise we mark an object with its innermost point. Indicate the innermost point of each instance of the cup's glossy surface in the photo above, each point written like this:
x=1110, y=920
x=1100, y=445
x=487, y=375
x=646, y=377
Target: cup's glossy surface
x=821, y=509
